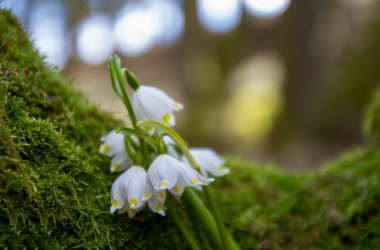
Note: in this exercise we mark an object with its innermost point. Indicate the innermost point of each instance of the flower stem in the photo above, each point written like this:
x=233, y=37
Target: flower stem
x=218, y=217
x=192, y=201
x=172, y=211
x=210, y=198
x=117, y=74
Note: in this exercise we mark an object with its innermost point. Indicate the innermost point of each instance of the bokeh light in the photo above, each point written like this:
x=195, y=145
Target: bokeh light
x=169, y=15
x=219, y=15
x=47, y=25
x=95, y=39
x=266, y=8
x=256, y=97
x=140, y=26
x=17, y=7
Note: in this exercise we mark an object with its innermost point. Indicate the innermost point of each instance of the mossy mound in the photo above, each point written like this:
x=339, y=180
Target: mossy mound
x=54, y=186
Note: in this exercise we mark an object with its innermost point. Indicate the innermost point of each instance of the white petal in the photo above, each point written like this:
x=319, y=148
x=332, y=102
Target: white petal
x=179, y=187
x=113, y=143
x=120, y=162
x=119, y=191
x=191, y=176
x=163, y=172
x=209, y=161
x=137, y=189
x=156, y=206
x=177, y=106
x=151, y=103
x=160, y=195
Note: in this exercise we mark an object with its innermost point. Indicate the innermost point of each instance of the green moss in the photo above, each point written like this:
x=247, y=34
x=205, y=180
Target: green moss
x=54, y=186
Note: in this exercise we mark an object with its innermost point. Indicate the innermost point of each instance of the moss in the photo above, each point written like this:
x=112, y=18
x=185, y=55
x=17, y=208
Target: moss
x=54, y=186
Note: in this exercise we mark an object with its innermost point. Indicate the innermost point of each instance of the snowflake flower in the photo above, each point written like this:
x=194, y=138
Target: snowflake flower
x=113, y=144
x=156, y=205
x=208, y=161
x=130, y=190
x=150, y=103
x=166, y=172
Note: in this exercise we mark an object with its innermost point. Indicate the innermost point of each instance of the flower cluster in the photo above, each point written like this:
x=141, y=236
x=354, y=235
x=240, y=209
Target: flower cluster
x=170, y=169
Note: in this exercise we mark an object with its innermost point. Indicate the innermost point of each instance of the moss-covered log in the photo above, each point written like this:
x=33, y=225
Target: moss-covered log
x=54, y=186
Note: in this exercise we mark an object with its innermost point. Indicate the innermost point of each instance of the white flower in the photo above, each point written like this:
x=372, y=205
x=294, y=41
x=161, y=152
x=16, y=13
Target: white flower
x=208, y=161
x=150, y=103
x=166, y=172
x=156, y=205
x=113, y=144
x=130, y=190
x=120, y=162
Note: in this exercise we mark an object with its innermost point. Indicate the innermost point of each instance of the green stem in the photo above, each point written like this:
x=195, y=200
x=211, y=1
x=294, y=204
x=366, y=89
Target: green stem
x=175, y=136
x=117, y=77
x=218, y=217
x=210, y=199
x=172, y=211
x=116, y=70
x=192, y=201
x=205, y=219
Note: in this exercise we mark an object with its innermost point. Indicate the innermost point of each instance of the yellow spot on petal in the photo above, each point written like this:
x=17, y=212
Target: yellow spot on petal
x=114, y=203
x=133, y=203
x=164, y=184
x=194, y=180
x=223, y=169
x=177, y=105
x=145, y=196
x=148, y=129
x=161, y=194
x=115, y=166
x=166, y=118
x=177, y=189
x=105, y=148
x=158, y=207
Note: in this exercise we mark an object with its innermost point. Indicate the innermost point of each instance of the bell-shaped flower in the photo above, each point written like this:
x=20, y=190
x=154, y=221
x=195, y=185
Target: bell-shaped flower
x=166, y=172
x=150, y=103
x=208, y=161
x=160, y=194
x=120, y=162
x=112, y=144
x=130, y=190
x=156, y=206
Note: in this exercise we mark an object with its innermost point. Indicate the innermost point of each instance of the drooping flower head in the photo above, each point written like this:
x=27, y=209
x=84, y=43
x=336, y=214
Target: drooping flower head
x=150, y=103
x=208, y=161
x=156, y=205
x=130, y=190
x=166, y=172
x=112, y=144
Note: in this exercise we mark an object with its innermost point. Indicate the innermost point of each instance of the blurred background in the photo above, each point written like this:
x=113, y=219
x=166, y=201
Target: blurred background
x=281, y=81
